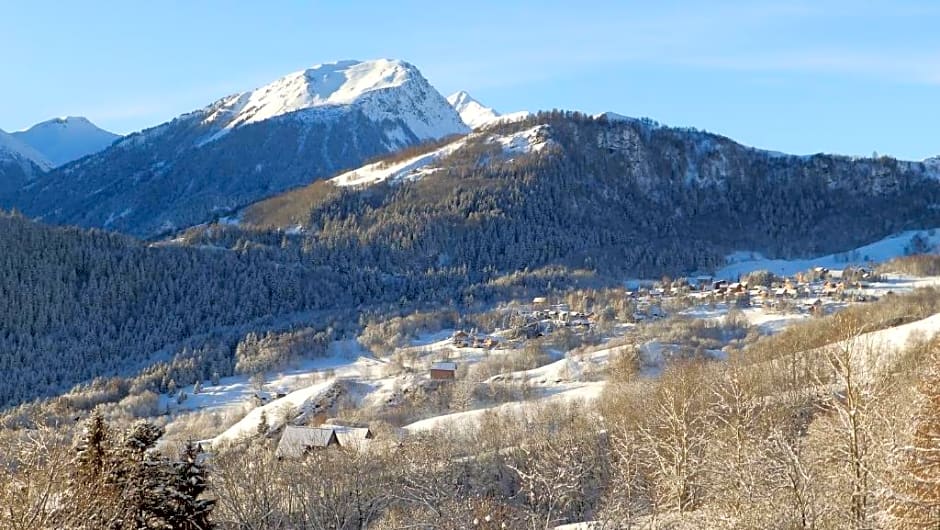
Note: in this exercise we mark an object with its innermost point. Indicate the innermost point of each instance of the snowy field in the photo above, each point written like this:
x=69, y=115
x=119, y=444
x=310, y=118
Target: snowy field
x=743, y=262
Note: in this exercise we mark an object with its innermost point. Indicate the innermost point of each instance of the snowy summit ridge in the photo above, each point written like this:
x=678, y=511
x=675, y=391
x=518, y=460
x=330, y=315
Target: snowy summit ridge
x=384, y=89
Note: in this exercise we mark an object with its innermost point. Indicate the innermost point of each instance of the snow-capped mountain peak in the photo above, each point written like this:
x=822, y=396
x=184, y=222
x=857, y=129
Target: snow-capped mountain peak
x=62, y=140
x=471, y=111
x=382, y=89
x=476, y=114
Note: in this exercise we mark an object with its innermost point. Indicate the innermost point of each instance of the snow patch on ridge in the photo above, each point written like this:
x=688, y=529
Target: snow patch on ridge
x=410, y=169
x=529, y=140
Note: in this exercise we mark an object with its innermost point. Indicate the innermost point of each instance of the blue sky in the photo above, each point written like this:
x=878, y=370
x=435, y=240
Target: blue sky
x=849, y=77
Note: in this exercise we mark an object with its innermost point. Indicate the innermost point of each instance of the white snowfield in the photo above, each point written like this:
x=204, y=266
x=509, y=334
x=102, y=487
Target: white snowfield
x=384, y=89
x=562, y=370
x=530, y=140
x=582, y=392
x=410, y=169
x=880, y=349
x=744, y=262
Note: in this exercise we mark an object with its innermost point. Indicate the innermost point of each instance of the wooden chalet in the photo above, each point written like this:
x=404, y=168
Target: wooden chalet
x=444, y=371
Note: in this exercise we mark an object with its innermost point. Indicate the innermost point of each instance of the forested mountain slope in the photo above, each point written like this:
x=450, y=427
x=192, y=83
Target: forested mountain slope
x=76, y=305
x=622, y=196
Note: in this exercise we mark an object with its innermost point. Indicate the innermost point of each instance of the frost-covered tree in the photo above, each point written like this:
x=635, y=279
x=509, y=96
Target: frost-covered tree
x=913, y=501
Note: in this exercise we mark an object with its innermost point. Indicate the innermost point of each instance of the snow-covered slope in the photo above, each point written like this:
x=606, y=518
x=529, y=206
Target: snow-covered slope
x=62, y=140
x=14, y=150
x=384, y=89
x=408, y=169
x=578, y=392
x=274, y=411
x=741, y=263
x=475, y=114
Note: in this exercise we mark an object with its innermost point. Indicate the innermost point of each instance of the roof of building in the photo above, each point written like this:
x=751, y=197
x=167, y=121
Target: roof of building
x=450, y=367
x=351, y=436
x=296, y=440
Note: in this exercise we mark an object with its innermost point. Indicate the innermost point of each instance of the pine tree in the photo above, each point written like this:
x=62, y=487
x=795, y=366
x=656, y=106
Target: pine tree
x=914, y=501
x=91, y=452
x=183, y=508
x=89, y=500
x=263, y=425
x=141, y=478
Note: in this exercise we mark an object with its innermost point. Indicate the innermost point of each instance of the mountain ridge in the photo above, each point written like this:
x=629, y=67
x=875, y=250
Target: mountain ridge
x=628, y=196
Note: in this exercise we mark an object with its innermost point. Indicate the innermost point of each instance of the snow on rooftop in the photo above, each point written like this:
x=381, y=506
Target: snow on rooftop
x=446, y=366
x=296, y=440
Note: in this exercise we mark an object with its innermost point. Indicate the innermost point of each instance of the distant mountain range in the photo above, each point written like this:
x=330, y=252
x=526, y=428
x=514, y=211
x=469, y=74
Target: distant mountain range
x=333, y=121
x=304, y=126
